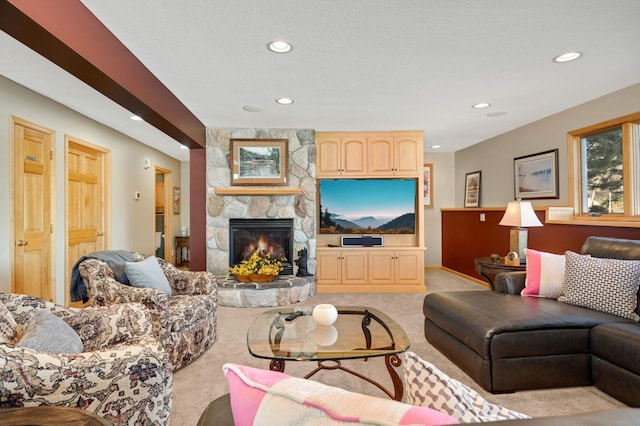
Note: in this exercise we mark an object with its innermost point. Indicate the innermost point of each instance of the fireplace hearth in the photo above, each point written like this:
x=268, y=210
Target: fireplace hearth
x=273, y=237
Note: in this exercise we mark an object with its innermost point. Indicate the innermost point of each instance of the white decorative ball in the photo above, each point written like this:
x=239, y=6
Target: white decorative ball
x=325, y=314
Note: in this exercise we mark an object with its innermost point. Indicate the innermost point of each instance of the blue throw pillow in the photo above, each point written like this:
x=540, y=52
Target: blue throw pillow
x=48, y=333
x=147, y=274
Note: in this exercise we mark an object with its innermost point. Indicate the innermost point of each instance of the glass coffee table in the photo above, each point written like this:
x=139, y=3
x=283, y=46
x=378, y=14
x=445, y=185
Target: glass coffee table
x=358, y=333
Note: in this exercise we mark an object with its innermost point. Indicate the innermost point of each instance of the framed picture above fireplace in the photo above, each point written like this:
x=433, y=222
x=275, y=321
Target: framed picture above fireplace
x=259, y=162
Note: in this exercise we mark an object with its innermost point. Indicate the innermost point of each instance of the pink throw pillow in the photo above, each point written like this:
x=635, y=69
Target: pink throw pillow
x=545, y=274
x=269, y=397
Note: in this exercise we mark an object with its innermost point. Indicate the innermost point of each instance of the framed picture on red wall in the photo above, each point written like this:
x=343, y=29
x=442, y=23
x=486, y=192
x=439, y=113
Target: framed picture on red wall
x=472, y=188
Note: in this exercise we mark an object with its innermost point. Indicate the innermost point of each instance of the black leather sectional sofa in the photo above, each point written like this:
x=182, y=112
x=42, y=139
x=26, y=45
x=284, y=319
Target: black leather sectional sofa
x=507, y=342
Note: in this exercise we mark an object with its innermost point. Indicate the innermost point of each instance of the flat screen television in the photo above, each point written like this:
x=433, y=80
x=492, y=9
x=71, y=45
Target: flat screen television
x=367, y=206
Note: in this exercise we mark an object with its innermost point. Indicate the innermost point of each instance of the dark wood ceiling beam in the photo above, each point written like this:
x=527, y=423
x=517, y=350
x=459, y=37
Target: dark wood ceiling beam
x=69, y=35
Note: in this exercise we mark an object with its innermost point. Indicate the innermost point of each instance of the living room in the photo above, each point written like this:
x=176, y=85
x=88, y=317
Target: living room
x=131, y=225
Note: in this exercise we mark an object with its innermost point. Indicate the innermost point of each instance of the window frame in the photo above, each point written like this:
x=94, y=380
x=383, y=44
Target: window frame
x=630, y=164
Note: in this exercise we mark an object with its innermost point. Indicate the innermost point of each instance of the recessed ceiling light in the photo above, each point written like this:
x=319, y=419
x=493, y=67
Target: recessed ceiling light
x=284, y=101
x=566, y=57
x=481, y=105
x=253, y=108
x=136, y=118
x=435, y=146
x=280, y=46
x=184, y=147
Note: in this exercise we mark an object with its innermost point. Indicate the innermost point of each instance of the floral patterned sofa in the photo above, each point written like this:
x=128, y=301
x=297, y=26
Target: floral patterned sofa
x=184, y=322
x=122, y=374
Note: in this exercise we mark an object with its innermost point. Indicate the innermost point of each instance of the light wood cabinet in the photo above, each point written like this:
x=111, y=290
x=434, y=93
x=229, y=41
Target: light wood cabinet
x=399, y=266
x=337, y=267
x=369, y=270
x=387, y=267
x=394, y=155
x=339, y=156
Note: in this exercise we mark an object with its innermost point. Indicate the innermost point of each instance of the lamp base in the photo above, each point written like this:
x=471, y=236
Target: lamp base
x=518, y=242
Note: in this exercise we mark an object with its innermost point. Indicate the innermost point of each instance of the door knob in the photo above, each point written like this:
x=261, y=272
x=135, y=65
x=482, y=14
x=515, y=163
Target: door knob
x=100, y=234
x=22, y=243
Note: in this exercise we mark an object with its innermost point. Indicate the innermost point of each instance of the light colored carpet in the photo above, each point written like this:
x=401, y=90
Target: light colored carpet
x=202, y=381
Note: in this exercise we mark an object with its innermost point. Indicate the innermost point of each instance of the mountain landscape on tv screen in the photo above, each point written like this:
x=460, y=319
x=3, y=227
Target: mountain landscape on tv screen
x=334, y=224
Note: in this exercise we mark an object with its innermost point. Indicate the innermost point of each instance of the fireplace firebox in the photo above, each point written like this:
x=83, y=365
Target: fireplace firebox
x=263, y=236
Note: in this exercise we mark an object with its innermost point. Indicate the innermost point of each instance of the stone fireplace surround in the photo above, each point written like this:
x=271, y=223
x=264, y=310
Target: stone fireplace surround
x=299, y=207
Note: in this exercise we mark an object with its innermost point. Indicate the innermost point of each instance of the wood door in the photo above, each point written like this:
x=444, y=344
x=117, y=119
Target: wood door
x=354, y=156
x=380, y=156
x=381, y=267
x=409, y=267
x=329, y=267
x=87, y=204
x=328, y=156
x=407, y=156
x=354, y=267
x=32, y=191
x=163, y=215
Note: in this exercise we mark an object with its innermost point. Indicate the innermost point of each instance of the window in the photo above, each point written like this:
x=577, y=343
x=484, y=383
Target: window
x=605, y=164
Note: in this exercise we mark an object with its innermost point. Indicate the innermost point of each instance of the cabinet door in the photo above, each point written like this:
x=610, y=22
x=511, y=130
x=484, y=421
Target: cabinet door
x=407, y=156
x=329, y=267
x=354, y=267
x=381, y=267
x=409, y=267
x=354, y=156
x=380, y=156
x=328, y=156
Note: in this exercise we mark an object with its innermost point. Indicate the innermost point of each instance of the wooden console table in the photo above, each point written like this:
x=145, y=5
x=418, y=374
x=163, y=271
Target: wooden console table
x=489, y=268
x=182, y=245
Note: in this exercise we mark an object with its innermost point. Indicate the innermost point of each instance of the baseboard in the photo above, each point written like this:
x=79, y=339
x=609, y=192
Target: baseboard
x=466, y=277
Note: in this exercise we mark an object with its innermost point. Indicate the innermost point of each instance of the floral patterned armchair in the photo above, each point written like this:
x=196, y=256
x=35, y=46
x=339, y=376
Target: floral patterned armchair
x=122, y=374
x=184, y=322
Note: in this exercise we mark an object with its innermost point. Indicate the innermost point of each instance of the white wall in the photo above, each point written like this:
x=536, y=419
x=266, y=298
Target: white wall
x=494, y=157
x=443, y=196
x=132, y=223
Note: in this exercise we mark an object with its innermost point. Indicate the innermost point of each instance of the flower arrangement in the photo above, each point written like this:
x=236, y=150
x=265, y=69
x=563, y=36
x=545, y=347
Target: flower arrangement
x=258, y=265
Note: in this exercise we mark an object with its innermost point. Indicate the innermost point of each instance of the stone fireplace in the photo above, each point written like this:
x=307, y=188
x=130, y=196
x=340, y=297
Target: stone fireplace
x=295, y=202
x=266, y=237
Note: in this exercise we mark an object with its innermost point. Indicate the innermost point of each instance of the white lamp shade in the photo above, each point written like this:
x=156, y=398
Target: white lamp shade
x=520, y=214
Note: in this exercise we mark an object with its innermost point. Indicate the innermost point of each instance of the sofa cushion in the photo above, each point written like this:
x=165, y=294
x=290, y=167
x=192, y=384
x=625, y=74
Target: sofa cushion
x=605, y=285
x=274, y=398
x=618, y=344
x=545, y=274
x=427, y=386
x=147, y=273
x=48, y=333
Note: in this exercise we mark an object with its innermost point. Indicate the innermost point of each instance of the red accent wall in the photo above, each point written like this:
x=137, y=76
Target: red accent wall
x=465, y=237
x=198, y=207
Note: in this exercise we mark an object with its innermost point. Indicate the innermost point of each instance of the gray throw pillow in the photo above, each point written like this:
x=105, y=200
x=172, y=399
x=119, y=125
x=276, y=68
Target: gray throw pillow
x=605, y=285
x=49, y=333
x=147, y=274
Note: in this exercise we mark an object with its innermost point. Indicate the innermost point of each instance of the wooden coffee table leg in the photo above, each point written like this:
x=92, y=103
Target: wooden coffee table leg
x=276, y=365
x=392, y=362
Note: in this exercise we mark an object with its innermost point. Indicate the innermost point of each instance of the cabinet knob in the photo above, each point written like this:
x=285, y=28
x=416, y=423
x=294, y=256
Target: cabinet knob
x=100, y=234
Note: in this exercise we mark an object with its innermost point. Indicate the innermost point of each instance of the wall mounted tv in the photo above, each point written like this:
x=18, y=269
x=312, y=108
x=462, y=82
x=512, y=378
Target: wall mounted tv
x=367, y=206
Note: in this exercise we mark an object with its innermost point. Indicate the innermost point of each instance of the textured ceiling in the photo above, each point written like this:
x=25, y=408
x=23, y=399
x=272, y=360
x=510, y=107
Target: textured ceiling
x=359, y=64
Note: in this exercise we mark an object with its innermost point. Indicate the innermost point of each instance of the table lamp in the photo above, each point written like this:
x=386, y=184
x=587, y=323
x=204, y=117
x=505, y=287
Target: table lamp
x=519, y=215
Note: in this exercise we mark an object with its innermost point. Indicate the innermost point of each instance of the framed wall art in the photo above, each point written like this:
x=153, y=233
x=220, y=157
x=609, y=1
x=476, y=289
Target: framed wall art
x=259, y=162
x=428, y=185
x=472, y=187
x=176, y=200
x=536, y=175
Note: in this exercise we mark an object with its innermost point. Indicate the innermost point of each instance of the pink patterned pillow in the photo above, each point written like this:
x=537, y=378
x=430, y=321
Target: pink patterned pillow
x=269, y=397
x=545, y=274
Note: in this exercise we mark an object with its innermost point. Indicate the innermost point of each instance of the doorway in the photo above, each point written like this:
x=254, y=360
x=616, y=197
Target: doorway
x=87, y=198
x=33, y=204
x=163, y=215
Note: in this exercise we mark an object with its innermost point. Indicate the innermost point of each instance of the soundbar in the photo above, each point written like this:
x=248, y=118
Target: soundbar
x=363, y=241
